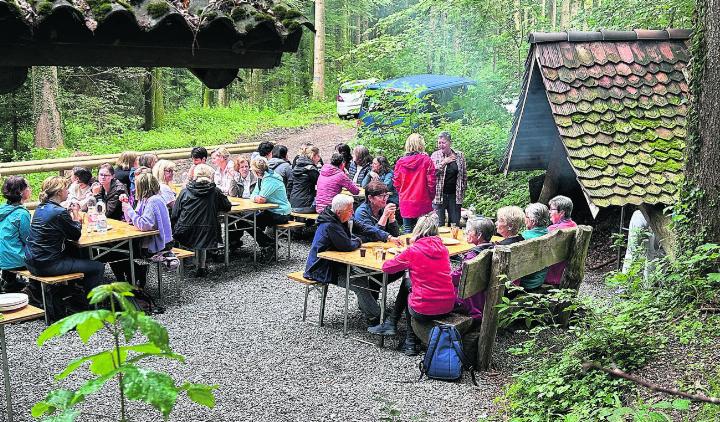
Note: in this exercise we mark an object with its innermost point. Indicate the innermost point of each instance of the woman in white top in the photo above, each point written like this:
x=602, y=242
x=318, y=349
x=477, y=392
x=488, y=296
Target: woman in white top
x=164, y=172
x=80, y=190
x=225, y=171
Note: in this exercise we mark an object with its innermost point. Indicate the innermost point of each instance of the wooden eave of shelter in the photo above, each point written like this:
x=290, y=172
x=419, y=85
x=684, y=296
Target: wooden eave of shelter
x=212, y=39
x=607, y=108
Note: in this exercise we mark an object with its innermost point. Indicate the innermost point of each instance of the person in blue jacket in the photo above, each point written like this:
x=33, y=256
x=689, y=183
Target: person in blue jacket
x=14, y=230
x=376, y=212
x=269, y=189
x=334, y=233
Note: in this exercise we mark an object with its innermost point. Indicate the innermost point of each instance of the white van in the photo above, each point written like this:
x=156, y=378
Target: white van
x=350, y=97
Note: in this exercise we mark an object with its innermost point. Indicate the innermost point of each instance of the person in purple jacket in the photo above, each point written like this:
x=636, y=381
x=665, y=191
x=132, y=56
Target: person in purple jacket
x=478, y=231
x=151, y=214
x=331, y=181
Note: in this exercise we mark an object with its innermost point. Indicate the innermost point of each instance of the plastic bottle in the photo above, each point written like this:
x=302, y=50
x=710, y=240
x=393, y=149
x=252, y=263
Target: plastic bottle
x=91, y=215
x=101, y=219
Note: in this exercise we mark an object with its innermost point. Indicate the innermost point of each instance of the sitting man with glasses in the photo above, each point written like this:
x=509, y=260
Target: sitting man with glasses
x=561, y=208
x=376, y=212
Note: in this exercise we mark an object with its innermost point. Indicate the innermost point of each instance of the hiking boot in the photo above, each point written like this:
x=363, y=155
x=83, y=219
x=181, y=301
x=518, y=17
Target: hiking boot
x=268, y=254
x=387, y=328
x=409, y=347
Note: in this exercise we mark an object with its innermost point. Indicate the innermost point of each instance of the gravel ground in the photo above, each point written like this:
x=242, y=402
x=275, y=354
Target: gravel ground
x=241, y=329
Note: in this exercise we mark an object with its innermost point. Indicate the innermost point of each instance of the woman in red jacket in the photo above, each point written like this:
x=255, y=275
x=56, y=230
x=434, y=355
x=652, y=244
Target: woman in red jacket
x=432, y=293
x=414, y=181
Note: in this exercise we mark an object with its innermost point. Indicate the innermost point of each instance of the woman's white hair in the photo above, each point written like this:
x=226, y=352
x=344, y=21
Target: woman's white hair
x=340, y=202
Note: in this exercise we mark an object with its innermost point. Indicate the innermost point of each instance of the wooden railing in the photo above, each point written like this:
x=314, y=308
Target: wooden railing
x=94, y=161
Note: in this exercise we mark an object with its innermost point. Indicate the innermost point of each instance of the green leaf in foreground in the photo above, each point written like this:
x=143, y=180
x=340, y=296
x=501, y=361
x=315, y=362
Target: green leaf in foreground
x=201, y=393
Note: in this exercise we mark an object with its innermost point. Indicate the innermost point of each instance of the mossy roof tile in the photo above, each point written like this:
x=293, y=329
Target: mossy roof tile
x=621, y=109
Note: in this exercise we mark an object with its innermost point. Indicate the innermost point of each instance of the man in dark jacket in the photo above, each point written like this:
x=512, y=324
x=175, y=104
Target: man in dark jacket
x=334, y=234
x=304, y=180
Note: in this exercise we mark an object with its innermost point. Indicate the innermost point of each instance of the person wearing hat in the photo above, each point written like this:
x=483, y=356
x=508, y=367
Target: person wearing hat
x=451, y=176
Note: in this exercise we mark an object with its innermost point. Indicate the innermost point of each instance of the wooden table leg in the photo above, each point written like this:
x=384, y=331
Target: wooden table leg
x=6, y=373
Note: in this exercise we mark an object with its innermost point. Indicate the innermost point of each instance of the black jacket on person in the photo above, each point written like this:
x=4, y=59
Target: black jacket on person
x=123, y=176
x=113, y=206
x=50, y=227
x=195, y=215
x=304, y=180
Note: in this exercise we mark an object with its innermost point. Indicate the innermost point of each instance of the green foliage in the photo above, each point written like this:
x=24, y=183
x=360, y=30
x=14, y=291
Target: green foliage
x=124, y=322
x=626, y=334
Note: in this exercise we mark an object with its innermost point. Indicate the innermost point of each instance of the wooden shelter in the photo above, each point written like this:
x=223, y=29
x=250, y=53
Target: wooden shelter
x=605, y=111
x=211, y=38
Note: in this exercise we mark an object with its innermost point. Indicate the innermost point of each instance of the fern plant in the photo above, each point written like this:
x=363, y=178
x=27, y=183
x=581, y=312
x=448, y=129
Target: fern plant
x=124, y=322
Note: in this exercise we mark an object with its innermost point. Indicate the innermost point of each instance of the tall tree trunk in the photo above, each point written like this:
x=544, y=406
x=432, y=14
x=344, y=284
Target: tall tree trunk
x=46, y=115
x=14, y=122
x=207, y=97
x=565, y=15
x=319, y=51
x=553, y=15
x=158, y=97
x=703, y=144
x=148, y=99
x=222, y=97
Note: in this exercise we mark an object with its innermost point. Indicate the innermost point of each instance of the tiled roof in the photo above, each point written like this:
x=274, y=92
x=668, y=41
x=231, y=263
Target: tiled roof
x=620, y=109
x=202, y=34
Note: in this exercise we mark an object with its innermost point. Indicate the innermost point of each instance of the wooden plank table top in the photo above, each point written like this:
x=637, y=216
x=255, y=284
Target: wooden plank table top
x=359, y=194
x=245, y=205
x=370, y=262
x=23, y=314
x=118, y=231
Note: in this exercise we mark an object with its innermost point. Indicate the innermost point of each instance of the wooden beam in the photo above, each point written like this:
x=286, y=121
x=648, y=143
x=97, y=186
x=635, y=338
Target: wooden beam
x=554, y=172
x=495, y=291
x=128, y=55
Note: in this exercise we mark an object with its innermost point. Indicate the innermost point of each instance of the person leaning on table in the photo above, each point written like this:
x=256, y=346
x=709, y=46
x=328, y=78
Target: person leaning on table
x=334, y=233
x=47, y=252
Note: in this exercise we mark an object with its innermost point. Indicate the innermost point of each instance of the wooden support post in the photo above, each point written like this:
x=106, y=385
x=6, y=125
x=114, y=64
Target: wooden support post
x=554, y=172
x=575, y=270
x=495, y=291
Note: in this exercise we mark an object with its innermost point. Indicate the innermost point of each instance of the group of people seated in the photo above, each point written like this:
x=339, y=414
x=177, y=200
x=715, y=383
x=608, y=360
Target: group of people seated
x=430, y=290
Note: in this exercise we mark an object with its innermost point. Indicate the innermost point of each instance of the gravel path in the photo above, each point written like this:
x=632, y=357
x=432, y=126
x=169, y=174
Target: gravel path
x=242, y=329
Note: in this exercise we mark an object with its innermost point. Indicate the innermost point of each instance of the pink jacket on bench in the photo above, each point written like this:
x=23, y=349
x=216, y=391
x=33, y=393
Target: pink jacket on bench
x=555, y=271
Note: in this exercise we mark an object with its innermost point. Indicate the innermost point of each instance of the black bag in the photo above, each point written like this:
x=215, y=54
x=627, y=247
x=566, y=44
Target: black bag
x=64, y=300
x=145, y=303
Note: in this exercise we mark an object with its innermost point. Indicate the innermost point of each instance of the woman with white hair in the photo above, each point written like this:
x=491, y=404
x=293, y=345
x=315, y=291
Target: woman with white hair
x=509, y=222
x=537, y=219
x=269, y=189
x=164, y=172
x=195, y=215
x=432, y=293
x=224, y=175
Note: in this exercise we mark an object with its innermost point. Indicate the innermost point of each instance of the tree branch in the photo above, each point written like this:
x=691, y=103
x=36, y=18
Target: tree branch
x=654, y=387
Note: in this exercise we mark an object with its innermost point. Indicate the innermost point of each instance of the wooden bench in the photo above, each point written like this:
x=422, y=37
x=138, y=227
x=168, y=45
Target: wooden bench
x=321, y=288
x=491, y=268
x=49, y=280
x=284, y=231
x=302, y=216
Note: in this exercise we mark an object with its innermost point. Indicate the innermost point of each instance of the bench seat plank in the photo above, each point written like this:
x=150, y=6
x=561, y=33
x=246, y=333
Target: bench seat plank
x=182, y=253
x=298, y=276
x=291, y=225
x=310, y=216
x=50, y=279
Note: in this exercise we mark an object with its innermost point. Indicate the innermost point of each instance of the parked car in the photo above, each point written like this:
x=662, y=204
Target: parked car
x=350, y=96
x=386, y=103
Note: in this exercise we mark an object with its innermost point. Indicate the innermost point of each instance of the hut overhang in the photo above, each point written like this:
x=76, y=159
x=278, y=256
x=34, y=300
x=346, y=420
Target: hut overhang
x=212, y=39
x=611, y=107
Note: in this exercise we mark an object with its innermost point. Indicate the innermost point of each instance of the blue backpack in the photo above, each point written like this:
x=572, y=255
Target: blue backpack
x=444, y=359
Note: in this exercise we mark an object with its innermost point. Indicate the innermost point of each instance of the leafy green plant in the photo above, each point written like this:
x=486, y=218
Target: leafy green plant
x=536, y=309
x=119, y=362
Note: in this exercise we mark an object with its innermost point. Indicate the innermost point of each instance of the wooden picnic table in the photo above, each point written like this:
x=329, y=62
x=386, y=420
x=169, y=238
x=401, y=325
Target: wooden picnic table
x=370, y=265
x=238, y=214
x=360, y=195
x=19, y=315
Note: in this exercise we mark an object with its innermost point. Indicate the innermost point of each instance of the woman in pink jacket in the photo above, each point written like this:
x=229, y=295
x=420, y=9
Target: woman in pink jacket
x=331, y=181
x=432, y=293
x=414, y=181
